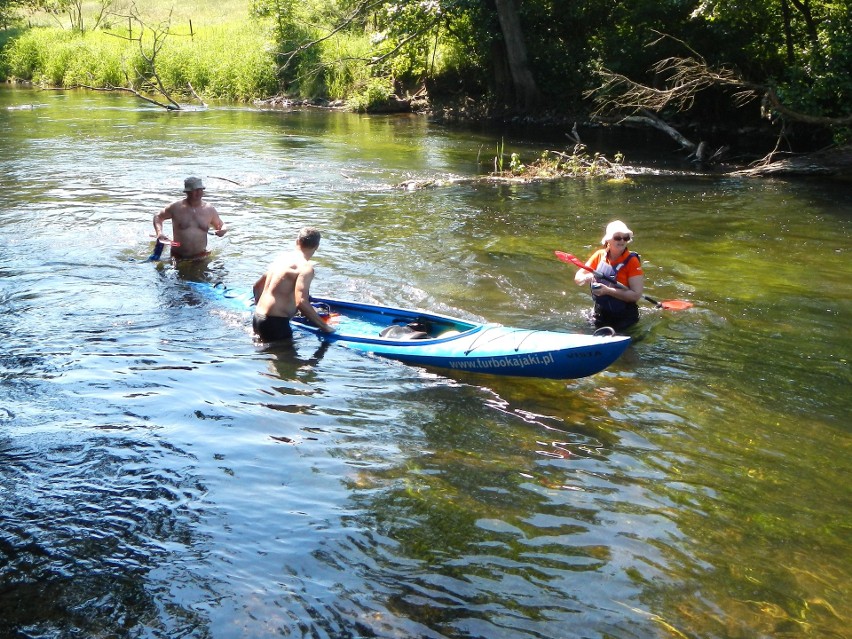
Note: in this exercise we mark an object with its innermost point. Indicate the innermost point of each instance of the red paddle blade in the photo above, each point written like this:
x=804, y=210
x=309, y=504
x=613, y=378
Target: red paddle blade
x=676, y=305
x=565, y=257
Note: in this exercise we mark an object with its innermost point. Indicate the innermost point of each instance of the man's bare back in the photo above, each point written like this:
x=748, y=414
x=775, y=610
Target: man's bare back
x=285, y=289
x=191, y=218
x=277, y=297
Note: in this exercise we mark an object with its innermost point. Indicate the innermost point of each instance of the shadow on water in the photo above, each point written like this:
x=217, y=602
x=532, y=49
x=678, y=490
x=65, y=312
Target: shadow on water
x=118, y=515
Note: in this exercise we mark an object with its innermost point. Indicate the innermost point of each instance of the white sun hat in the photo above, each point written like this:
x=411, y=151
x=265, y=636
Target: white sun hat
x=616, y=227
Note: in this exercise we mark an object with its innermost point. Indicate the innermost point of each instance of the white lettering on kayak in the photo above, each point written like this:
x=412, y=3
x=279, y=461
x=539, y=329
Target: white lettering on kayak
x=490, y=363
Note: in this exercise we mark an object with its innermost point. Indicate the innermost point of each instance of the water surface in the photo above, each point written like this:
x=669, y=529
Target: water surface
x=163, y=476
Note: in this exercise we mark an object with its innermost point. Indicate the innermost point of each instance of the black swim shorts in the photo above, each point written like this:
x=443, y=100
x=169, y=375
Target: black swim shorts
x=271, y=328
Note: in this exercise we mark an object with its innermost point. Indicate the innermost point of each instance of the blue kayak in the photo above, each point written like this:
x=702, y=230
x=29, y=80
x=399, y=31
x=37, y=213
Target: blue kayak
x=432, y=339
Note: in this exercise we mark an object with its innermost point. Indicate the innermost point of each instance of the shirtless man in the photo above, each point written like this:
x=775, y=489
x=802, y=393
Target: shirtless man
x=285, y=289
x=191, y=218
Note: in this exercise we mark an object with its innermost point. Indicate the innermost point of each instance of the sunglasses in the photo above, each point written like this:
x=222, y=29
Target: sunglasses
x=621, y=238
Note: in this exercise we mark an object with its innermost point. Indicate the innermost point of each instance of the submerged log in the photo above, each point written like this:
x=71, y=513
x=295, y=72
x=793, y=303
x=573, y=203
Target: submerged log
x=835, y=162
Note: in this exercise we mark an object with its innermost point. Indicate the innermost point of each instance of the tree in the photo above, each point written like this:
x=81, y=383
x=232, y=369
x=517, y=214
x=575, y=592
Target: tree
x=413, y=31
x=9, y=9
x=790, y=58
x=524, y=86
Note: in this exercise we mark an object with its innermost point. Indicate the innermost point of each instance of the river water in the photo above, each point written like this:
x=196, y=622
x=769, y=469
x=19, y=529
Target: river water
x=163, y=476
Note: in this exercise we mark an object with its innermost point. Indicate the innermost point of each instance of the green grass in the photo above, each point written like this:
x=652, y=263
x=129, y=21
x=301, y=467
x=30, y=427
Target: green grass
x=217, y=47
x=212, y=45
x=202, y=13
x=232, y=61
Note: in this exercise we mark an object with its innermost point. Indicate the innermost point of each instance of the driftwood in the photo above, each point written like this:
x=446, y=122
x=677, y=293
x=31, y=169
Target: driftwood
x=169, y=107
x=700, y=153
x=835, y=162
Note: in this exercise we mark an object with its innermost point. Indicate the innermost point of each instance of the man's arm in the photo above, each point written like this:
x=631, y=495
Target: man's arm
x=303, y=299
x=258, y=287
x=217, y=223
x=159, y=218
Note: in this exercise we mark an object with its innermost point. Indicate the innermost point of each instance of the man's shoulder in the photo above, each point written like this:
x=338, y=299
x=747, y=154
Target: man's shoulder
x=178, y=205
x=292, y=262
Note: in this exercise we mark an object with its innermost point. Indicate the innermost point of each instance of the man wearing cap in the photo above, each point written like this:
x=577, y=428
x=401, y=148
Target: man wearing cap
x=614, y=307
x=191, y=218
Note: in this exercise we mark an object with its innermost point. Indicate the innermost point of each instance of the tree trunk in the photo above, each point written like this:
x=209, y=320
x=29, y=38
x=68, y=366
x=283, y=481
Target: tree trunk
x=804, y=7
x=525, y=88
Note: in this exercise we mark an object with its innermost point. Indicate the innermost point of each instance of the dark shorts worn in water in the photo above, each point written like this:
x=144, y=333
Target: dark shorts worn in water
x=271, y=328
x=628, y=316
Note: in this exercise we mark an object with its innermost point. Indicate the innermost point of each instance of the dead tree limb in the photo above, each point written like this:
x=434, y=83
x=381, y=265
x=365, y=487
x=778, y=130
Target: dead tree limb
x=621, y=99
x=650, y=119
x=148, y=74
x=197, y=97
x=429, y=26
x=129, y=90
x=684, y=79
x=358, y=11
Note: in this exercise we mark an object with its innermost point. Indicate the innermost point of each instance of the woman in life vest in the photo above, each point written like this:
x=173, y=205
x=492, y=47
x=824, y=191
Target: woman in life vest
x=614, y=307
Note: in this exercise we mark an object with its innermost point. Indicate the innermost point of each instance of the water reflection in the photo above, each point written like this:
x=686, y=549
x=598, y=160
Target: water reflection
x=289, y=364
x=113, y=510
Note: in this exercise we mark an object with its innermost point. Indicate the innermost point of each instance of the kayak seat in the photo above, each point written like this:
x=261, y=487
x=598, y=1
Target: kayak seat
x=402, y=333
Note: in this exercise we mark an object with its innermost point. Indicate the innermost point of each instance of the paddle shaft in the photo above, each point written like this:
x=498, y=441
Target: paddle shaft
x=573, y=260
x=159, y=245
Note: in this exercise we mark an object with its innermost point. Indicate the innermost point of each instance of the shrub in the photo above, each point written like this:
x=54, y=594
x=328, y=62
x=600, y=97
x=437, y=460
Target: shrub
x=25, y=56
x=374, y=92
x=346, y=65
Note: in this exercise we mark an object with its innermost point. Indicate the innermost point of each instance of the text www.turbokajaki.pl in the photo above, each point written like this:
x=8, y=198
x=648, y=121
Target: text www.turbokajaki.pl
x=501, y=362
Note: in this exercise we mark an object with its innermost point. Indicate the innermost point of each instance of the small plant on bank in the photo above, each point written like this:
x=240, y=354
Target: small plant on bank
x=498, y=159
x=515, y=165
x=554, y=164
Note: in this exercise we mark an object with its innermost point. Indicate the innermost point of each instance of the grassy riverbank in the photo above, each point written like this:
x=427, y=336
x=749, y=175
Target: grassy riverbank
x=219, y=49
x=226, y=61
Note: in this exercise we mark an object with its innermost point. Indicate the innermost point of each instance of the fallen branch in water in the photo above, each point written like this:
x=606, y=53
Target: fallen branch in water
x=551, y=165
x=216, y=177
x=170, y=107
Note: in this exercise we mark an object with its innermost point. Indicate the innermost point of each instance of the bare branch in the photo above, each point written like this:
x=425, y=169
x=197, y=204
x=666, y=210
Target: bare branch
x=129, y=90
x=771, y=98
x=149, y=75
x=667, y=36
x=197, y=97
x=405, y=41
x=684, y=79
x=361, y=9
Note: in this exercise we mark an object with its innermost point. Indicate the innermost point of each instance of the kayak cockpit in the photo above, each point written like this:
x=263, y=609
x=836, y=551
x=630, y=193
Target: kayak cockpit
x=354, y=321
